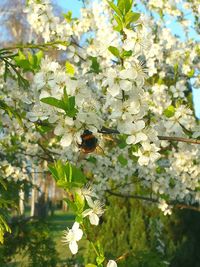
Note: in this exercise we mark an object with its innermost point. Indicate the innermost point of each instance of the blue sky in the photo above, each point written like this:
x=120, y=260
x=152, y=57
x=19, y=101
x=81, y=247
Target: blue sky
x=75, y=5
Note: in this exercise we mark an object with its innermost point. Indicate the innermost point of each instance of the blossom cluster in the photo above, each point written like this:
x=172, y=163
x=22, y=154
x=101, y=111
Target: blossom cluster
x=118, y=94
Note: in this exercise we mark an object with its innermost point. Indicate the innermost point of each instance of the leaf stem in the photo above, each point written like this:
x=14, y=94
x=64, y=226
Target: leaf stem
x=94, y=248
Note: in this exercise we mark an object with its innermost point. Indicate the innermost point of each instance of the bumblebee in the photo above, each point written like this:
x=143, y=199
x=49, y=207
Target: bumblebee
x=89, y=142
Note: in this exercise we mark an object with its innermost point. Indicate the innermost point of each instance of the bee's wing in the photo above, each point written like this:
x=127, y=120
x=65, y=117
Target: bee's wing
x=99, y=150
x=110, y=138
x=81, y=156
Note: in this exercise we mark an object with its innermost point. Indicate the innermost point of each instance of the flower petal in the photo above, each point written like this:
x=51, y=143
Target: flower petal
x=59, y=129
x=66, y=140
x=73, y=246
x=94, y=219
x=140, y=137
x=125, y=85
x=114, y=90
x=78, y=234
x=69, y=121
x=90, y=203
x=130, y=139
x=88, y=199
x=75, y=226
x=87, y=212
x=111, y=263
x=139, y=125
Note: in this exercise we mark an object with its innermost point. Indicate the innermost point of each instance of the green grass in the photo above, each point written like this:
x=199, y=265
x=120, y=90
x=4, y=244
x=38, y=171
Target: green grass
x=57, y=224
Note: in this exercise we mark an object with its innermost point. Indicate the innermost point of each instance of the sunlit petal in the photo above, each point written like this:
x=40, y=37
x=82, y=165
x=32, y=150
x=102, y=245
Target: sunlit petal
x=73, y=246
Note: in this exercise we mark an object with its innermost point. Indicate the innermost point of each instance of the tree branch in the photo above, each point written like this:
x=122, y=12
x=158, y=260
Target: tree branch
x=105, y=130
x=154, y=200
x=132, y=196
x=183, y=206
x=179, y=139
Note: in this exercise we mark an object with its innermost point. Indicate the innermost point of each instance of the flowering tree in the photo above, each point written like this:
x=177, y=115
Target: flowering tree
x=113, y=114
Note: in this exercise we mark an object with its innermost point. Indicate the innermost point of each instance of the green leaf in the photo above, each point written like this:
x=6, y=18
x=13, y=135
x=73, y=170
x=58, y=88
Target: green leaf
x=70, y=110
x=77, y=175
x=67, y=176
x=22, y=82
x=57, y=170
x=131, y=17
x=11, y=112
x=53, y=102
x=71, y=205
x=4, y=227
x=21, y=55
x=92, y=159
x=53, y=172
x=80, y=202
x=65, y=97
x=176, y=69
x=126, y=54
x=29, y=63
x=119, y=21
x=24, y=64
x=124, y=6
x=128, y=5
x=95, y=67
x=44, y=128
x=90, y=265
x=69, y=68
x=31, y=58
x=68, y=16
x=170, y=111
x=66, y=103
x=100, y=249
x=79, y=219
x=39, y=56
x=134, y=148
x=114, y=51
x=122, y=160
x=122, y=141
x=5, y=107
x=6, y=72
x=115, y=8
x=190, y=74
x=3, y=184
x=160, y=170
x=121, y=6
x=71, y=102
x=100, y=259
x=160, y=12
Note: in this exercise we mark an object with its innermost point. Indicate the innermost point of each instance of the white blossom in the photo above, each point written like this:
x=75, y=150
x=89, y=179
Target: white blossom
x=111, y=263
x=94, y=212
x=71, y=236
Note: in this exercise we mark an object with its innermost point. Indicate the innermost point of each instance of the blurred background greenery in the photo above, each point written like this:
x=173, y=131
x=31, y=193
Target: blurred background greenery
x=136, y=234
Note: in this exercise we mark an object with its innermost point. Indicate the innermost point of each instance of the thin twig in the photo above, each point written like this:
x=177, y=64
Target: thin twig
x=32, y=46
x=123, y=256
x=46, y=151
x=132, y=196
